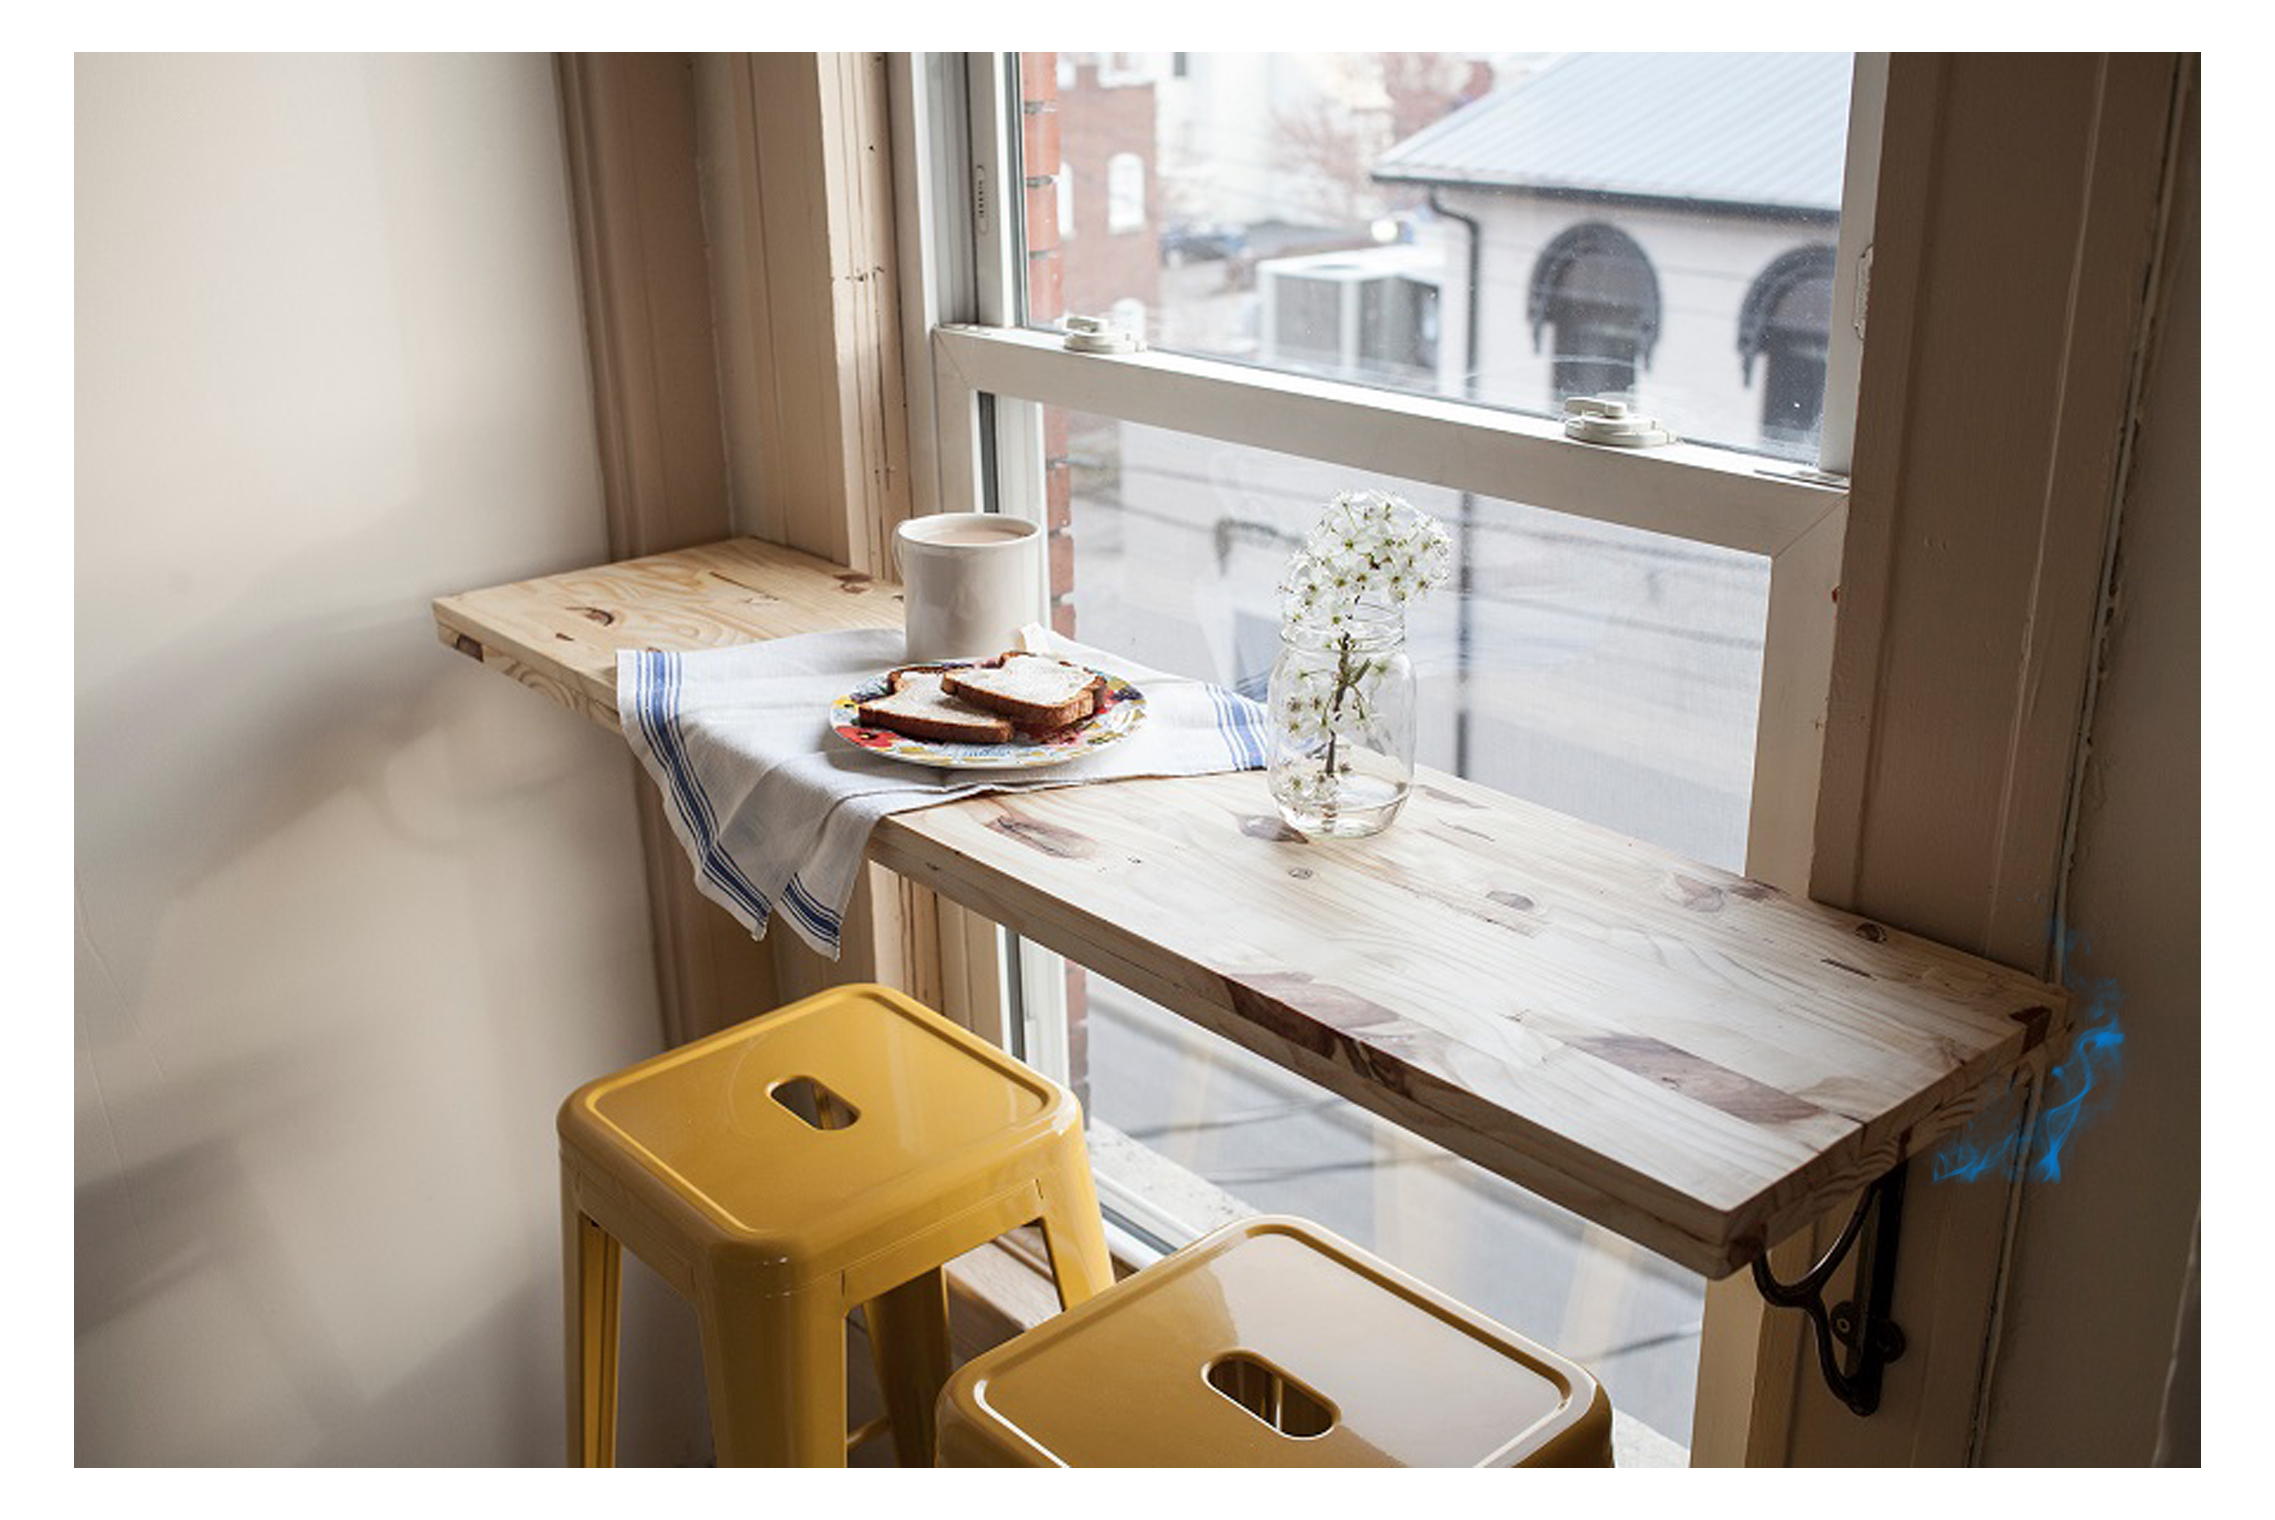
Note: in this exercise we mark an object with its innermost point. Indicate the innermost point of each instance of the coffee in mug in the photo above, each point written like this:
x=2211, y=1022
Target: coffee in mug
x=970, y=580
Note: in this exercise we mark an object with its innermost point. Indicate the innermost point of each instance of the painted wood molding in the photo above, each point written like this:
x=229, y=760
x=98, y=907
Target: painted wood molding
x=2007, y=320
x=798, y=190
x=629, y=119
x=794, y=161
x=629, y=124
x=735, y=240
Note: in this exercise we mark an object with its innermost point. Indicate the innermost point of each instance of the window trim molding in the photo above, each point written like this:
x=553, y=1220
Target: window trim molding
x=629, y=131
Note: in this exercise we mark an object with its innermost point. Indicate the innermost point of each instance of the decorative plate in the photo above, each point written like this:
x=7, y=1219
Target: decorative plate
x=1120, y=706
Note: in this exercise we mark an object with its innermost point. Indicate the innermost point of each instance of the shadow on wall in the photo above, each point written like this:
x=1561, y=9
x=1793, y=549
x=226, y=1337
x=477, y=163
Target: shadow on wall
x=188, y=1216
x=333, y=878
x=227, y=732
x=191, y=1224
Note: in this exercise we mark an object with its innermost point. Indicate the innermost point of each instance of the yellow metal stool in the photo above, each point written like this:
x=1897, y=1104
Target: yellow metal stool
x=1272, y=1343
x=833, y=1153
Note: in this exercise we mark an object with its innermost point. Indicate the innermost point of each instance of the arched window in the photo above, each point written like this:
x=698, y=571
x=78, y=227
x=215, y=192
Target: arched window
x=1125, y=193
x=1786, y=322
x=1595, y=296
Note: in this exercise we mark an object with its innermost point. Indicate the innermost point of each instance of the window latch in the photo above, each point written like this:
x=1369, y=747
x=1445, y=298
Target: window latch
x=1599, y=419
x=1097, y=335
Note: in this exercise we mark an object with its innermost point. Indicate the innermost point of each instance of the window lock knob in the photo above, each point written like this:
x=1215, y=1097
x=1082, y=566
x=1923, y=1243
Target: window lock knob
x=1601, y=419
x=1098, y=335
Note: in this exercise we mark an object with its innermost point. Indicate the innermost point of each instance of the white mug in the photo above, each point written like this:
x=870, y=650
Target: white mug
x=971, y=581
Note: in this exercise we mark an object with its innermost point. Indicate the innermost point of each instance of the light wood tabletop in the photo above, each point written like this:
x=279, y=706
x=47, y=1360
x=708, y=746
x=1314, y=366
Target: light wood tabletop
x=1695, y=1060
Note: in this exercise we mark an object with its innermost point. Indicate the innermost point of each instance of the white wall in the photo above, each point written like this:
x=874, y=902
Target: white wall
x=352, y=915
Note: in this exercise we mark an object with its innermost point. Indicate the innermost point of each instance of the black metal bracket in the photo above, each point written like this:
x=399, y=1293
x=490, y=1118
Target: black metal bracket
x=1869, y=1337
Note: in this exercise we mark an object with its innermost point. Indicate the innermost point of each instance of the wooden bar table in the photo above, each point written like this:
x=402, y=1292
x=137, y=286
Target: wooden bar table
x=1695, y=1060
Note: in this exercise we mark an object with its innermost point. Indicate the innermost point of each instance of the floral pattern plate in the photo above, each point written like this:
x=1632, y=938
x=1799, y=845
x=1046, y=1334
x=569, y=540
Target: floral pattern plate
x=1120, y=706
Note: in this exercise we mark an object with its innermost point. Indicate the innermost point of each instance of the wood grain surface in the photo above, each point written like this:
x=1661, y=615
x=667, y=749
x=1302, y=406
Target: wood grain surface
x=1691, y=1058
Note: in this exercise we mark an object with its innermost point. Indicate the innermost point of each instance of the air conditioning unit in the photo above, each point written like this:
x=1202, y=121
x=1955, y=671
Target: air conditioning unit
x=1365, y=314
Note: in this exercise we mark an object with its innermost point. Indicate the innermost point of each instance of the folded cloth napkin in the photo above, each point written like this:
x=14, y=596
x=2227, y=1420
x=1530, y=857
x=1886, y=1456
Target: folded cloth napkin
x=775, y=809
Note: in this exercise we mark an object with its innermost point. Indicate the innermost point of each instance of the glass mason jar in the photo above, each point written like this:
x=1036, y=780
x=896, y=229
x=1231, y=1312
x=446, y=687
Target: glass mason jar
x=1342, y=715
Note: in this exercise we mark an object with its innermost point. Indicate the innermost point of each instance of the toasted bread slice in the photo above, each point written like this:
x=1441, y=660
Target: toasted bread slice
x=1037, y=692
x=921, y=708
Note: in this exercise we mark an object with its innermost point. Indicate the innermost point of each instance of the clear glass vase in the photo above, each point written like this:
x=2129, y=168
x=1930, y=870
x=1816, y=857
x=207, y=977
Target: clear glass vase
x=1342, y=715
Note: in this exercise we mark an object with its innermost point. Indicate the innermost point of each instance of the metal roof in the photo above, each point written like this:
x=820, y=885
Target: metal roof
x=1748, y=129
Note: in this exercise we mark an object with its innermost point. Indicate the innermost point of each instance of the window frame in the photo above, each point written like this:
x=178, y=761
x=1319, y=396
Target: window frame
x=978, y=383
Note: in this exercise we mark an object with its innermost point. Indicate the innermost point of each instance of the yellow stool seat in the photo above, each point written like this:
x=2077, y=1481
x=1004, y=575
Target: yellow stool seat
x=1272, y=1343
x=834, y=1153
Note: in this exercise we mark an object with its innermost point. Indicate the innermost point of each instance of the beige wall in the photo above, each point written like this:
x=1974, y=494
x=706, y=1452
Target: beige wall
x=352, y=916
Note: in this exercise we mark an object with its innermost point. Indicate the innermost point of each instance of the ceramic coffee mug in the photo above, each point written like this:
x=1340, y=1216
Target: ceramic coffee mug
x=971, y=581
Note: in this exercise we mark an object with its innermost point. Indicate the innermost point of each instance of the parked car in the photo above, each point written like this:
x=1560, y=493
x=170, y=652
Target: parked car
x=1189, y=242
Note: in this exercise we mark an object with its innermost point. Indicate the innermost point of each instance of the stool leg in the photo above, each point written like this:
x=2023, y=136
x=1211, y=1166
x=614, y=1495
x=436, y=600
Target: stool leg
x=592, y=1288
x=1076, y=1235
x=775, y=1368
x=908, y=1335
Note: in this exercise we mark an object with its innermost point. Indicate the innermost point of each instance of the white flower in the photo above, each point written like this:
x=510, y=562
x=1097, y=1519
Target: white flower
x=1367, y=549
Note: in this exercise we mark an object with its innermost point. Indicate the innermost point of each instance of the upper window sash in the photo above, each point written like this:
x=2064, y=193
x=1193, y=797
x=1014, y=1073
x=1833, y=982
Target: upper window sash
x=985, y=169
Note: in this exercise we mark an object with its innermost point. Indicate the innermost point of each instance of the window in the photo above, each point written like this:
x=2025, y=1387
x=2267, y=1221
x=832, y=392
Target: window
x=1351, y=300
x=1125, y=70
x=1594, y=295
x=1066, y=201
x=1125, y=193
x=1785, y=323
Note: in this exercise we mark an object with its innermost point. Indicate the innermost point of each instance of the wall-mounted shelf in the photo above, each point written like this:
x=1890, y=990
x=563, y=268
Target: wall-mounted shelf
x=1695, y=1060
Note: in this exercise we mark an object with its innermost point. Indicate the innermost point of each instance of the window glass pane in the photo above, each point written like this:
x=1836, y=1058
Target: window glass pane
x=1606, y=672
x=1656, y=226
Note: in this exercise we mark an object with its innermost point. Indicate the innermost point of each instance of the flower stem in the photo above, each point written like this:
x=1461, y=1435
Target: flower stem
x=1344, y=681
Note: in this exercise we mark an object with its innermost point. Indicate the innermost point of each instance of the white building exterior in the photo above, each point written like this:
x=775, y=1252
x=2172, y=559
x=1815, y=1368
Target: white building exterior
x=1692, y=374
x=1679, y=254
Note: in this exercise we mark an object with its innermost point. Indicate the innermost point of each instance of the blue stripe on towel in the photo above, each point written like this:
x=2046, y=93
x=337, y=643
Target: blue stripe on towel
x=659, y=711
x=1237, y=720
x=811, y=911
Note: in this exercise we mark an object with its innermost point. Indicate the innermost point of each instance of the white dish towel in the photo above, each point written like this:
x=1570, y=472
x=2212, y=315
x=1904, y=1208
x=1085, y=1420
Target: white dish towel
x=775, y=809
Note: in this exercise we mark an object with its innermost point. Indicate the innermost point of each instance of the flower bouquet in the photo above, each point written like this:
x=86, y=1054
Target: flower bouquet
x=1342, y=695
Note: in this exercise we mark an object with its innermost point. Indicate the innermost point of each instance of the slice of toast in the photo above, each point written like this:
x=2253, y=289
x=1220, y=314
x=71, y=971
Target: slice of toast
x=1037, y=692
x=921, y=708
